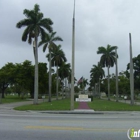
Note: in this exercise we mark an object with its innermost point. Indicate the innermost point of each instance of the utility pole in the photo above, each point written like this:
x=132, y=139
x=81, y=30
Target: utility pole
x=116, y=74
x=131, y=72
x=73, y=59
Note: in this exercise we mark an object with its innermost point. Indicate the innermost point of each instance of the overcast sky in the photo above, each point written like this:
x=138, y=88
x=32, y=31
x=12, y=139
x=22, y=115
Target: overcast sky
x=98, y=23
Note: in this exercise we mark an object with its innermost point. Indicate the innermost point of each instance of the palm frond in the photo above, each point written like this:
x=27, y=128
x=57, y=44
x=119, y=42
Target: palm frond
x=46, y=23
x=42, y=33
x=25, y=34
x=57, y=39
x=24, y=22
x=45, y=46
x=36, y=8
x=101, y=50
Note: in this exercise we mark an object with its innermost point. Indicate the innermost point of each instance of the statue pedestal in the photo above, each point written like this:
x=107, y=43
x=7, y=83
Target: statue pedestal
x=83, y=98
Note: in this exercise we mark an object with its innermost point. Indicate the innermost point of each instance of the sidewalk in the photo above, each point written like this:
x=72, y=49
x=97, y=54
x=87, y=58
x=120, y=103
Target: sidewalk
x=83, y=105
x=84, y=108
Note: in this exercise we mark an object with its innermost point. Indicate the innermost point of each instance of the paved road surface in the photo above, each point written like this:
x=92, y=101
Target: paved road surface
x=43, y=126
x=32, y=125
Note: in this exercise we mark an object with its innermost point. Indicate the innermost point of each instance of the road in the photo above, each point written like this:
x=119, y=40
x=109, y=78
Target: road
x=15, y=125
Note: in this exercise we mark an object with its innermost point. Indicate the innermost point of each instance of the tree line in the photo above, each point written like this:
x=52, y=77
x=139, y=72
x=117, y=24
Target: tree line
x=19, y=78
x=107, y=83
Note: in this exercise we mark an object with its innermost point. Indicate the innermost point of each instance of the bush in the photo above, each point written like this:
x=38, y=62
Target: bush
x=90, y=96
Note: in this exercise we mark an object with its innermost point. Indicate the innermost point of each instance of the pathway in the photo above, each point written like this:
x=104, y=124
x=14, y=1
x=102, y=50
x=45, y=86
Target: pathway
x=83, y=105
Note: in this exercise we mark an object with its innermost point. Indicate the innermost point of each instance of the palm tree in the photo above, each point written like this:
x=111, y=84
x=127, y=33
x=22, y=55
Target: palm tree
x=57, y=58
x=35, y=26
x=48, y=41
x=107, y=60
x=85, y=83
x=97, y=73
x=64, y=72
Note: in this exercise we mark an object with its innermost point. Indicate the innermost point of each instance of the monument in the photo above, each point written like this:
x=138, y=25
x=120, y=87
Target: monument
x=83, y=98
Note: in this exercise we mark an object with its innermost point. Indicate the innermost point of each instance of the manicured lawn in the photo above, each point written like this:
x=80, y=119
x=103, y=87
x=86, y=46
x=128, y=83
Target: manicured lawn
x=11, y=99
x=54, y=105
x=64, y=104
x=105, y=105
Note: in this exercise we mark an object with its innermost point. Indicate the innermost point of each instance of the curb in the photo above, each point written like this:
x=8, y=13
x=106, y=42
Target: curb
x=70, y=112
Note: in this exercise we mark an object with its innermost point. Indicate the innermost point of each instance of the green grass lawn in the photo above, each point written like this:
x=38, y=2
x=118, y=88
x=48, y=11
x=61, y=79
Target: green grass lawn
x=54, y=105
x=105, y=105
x=11, y=99
x=64, y=104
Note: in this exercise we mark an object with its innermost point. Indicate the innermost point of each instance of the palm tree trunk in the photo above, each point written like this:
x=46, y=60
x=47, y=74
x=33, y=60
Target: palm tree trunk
x=50, y=85
x=57, y=83
x=99, y=90
x=63, y=90
x=108, y=84
x=36, y=73
x=34, y=48
x=66, y=88
x=0, y=98
x=95, y=89
x=69, y=88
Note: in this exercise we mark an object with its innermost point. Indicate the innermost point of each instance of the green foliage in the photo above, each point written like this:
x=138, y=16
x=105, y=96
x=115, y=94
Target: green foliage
x=136, y=67
x=43, y=78
x=64, y=71
x=107, y=60
x=6, y=77
x=124, y=84
x=96, y=74
x=54, y=83
x=108, y=55
x=76, y=89
x=84, y=83
x=49, y=41
x=19, y=78
x=35, y=24
x=57, y=56
x=75, y=96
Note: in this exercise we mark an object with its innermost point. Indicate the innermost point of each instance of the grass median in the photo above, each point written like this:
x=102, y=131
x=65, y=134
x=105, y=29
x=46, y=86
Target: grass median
x=63, y=104
x=105, y=105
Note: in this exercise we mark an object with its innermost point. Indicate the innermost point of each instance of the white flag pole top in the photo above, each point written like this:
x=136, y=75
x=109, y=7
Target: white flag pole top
x=74, y=10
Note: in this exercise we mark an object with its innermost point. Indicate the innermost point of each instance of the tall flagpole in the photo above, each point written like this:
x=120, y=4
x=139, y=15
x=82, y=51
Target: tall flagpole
x=73, y=58
x=131, y=72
